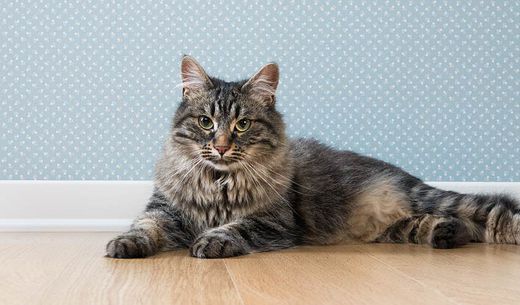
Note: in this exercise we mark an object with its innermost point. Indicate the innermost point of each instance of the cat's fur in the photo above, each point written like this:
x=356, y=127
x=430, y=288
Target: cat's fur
x=273, y=193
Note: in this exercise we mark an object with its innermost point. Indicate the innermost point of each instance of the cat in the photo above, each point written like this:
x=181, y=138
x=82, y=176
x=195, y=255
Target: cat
x=229, y=182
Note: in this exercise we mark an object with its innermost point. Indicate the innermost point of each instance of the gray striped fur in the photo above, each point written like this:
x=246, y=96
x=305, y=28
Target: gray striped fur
x=269, y=192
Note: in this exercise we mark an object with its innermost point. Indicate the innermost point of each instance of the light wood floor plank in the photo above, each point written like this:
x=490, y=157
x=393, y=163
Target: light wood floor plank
x=474, y=274
x=324, y=275
x=69, y=268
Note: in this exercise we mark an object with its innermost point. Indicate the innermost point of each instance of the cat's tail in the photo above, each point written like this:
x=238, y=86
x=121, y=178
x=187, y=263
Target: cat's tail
x=488, y=218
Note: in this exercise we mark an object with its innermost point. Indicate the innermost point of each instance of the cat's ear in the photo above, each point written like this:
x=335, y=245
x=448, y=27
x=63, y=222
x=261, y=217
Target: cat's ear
x=194, y=77
x=263, y=84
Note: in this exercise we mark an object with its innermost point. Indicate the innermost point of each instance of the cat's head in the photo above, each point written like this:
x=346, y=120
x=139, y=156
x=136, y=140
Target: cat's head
x=228, y=125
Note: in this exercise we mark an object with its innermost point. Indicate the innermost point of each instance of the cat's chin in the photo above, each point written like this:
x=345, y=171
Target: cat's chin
x=220, y=166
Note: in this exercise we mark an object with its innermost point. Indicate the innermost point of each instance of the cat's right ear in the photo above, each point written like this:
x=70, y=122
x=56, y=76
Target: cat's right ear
x=194, y=77
x=262, y=86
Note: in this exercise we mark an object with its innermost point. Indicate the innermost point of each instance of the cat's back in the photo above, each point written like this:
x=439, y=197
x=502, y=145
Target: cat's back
x=313, y=158
x=328, y=175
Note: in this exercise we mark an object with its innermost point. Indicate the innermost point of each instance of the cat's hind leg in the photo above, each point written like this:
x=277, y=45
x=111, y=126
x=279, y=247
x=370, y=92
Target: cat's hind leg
x=438, y=231
x=492, y=218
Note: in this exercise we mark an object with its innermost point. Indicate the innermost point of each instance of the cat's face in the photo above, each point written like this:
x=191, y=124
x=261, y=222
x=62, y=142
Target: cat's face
x=228, y=125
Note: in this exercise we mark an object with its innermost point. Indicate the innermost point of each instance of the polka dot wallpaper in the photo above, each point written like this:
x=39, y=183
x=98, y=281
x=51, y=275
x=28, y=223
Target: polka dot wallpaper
x=88, y=88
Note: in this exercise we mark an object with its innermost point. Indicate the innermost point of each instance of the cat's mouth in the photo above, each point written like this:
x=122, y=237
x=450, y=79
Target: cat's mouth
x=223, y=163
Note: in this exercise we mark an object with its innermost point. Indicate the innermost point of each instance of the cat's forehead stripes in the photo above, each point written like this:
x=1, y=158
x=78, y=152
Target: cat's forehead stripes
x=225, y=104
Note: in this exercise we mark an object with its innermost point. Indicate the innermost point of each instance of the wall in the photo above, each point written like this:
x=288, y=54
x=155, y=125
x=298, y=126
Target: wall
x=87, y=88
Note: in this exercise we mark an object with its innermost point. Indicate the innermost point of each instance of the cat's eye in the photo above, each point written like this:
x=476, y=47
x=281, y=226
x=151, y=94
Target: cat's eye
x=243, y=125
x=205, y=122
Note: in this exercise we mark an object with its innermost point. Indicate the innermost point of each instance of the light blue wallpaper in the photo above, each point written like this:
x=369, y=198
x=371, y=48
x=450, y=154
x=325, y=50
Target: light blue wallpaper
x=87, y=88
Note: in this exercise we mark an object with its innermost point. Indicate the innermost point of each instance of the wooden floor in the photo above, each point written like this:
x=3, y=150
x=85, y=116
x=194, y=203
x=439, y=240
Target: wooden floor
x=69, y=268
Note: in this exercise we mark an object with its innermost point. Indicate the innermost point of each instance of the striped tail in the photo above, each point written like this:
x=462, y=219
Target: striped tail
x=488, y=218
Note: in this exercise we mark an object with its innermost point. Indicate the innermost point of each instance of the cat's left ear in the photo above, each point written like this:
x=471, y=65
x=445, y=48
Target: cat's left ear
x=262, y=86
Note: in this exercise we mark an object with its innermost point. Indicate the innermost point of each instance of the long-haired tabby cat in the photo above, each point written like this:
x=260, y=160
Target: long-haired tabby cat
x=230, y=182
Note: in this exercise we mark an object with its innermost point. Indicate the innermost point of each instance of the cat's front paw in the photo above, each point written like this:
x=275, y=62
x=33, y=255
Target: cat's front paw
x=130, y=246
x=216, y=244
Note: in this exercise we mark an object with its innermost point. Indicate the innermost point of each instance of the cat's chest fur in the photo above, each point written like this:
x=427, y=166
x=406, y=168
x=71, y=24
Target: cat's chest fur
x=213, y=198
x=216, y=198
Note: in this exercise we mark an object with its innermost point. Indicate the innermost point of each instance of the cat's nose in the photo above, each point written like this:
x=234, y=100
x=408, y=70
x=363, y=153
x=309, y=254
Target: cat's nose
x=222, y=149
x=221, y=144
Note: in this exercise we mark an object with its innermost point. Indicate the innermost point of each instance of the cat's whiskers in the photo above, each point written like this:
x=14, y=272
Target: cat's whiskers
x=264, y=178
x=284, y=200
x=282, y=176
x=253, y=177
x=242, y=154
x=180, y=181
x=287, y=180
x=261, y=176
x=206, y=153
x=260, y=187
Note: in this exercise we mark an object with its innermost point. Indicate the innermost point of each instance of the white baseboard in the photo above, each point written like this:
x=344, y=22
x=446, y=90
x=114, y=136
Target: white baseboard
x=37, y=205
x=64, y=225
